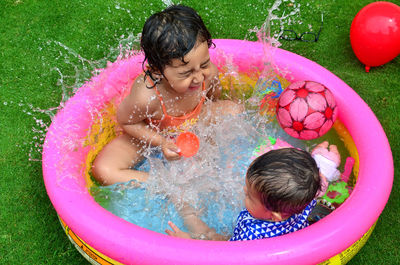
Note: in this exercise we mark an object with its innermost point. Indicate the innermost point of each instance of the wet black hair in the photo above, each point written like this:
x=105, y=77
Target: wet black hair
x=171, y=34
x=287, y=179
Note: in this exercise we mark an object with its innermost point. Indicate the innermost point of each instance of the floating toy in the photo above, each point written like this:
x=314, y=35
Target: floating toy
x=327, y=161
x=336, y=192
x=348, y=166
x=306, y=110
x=269, y=92
x=267, y=145
x=272, y=88
x=108, y=239
x=375, y=33
x=188, y=143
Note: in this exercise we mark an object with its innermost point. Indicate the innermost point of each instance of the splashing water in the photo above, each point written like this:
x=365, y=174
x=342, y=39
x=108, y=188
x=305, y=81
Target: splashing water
x=211, y=181
x=83, y=70
x=266, y=86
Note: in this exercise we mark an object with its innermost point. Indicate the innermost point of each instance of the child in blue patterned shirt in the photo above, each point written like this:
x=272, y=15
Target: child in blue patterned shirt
x=281, y=190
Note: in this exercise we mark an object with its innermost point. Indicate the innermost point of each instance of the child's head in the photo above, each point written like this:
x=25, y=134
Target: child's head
x=171, y=34
x=283, y=180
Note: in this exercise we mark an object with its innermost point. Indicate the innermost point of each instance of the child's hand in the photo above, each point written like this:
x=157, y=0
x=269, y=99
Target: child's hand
x=170, y=150
x=176, y=232
x=328, y=159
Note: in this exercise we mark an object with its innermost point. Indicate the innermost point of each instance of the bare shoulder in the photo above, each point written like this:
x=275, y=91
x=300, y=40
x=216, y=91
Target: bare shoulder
x=139, y=102
x=140, y=93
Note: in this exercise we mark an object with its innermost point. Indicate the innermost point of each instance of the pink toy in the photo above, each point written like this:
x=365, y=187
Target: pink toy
x=327, y=158
x=306, y=110
x=347, y=169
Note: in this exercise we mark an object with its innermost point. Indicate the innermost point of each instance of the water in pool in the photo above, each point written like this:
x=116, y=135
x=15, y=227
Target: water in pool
x=211, y=181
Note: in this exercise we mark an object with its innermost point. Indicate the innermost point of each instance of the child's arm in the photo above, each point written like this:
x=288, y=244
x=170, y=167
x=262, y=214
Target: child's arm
x=131, y=115
x=205, y=234
x=196, y=226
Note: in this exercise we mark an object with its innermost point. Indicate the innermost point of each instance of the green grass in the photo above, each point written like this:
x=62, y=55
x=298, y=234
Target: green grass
x=30, y=56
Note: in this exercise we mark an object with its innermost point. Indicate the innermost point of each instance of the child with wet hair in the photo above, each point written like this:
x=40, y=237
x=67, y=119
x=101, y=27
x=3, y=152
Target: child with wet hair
x=179, y=86
x=280, y=190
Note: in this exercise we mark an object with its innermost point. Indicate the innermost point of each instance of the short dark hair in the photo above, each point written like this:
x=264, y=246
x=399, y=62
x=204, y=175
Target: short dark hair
x=171, y=34
x=287, y=179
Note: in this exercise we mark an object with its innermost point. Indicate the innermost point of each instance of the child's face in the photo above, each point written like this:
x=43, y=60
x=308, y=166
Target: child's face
x=254, y=205
x=189, y=77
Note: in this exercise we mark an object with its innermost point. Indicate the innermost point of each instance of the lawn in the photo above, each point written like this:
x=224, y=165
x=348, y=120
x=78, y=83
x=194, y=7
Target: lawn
x=48, y=48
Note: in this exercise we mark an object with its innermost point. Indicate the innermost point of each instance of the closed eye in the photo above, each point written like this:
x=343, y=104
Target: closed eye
x=187, y=73
x=205, y=64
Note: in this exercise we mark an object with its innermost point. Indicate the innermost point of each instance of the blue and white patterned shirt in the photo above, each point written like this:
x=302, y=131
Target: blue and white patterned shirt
x=249, y=228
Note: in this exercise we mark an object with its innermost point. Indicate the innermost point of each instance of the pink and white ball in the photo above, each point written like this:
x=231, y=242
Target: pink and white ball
x=306, y=110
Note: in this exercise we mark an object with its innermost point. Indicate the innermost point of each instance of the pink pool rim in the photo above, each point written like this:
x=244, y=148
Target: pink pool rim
x=129, y=244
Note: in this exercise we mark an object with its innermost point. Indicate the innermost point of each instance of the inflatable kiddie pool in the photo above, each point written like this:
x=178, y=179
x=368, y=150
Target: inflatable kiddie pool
x=107, y=239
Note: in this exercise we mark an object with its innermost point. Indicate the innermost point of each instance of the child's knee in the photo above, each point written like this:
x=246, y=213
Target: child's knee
x=102, y=171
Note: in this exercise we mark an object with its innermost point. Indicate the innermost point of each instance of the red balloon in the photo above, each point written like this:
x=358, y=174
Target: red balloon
x=375, y=33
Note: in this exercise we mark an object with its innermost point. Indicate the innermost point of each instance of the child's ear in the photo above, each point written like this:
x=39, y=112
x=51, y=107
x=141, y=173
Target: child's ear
x=157, y=74
x=276, y=217
x=324, y=186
